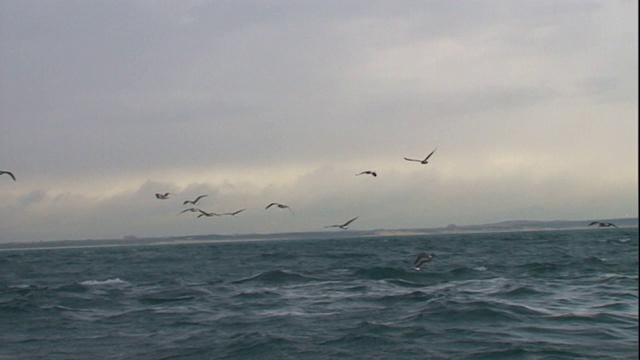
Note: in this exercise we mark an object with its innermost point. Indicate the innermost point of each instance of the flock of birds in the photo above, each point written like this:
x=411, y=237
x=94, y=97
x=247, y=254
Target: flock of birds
x=204, y=213
x=420, y=260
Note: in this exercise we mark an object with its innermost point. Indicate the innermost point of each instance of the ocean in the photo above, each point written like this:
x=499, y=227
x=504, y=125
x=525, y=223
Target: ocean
x=569, y=294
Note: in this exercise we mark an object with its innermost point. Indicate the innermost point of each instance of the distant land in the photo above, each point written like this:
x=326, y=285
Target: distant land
x=505, y=226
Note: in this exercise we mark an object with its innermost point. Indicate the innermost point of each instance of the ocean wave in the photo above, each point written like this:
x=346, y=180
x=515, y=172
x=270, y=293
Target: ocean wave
x=108, y=282
x=274, y=277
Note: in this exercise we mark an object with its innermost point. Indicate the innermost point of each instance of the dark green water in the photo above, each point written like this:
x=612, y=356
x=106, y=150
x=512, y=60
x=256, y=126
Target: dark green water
x=521, y=295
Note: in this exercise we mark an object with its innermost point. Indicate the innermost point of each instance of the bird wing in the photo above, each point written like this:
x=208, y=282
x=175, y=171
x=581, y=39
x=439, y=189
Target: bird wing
x=270, y=205
x=350, y=221
x=612, y=224
x=408, y=159
x=199, y=197
x=431, y=153
x=593, y=223
x=8, y=173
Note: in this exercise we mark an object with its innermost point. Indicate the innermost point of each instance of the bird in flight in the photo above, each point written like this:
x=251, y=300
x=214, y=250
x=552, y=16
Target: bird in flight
x=281, y=206
x=8, y=173
x=425, y=161
x=164, y=196
x=195, y=201
x=189, y=210
x=207, y=214
x=343, y=226
x=368, y=172
x=602, y=224
x=421, y=259
x=234, y=213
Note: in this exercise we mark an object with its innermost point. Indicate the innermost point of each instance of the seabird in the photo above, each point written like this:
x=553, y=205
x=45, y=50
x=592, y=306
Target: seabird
x=421, y=259
x=425, y=161
x=235, y=212
x=343, y=226
x=164, y=196
x=207, y=214
x=189, y=210
x=194, y=202
x=8, y=173
x=281, y=206
x=602, y=224
x=368, y=172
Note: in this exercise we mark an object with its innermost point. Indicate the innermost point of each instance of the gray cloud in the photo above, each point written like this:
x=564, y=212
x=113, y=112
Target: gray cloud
x=103, y=104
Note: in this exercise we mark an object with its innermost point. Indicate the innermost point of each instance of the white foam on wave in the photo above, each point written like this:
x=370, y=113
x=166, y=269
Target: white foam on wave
x=109, y=282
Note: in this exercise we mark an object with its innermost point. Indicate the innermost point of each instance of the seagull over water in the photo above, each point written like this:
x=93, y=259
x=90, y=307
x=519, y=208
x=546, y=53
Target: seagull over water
x=602, y=224
x=281, y=206
x=368, y=172
x=425, y=161
x=343, y=226
x=195, y=201
x=8, y=173
x=164, y=196
x=421, y=259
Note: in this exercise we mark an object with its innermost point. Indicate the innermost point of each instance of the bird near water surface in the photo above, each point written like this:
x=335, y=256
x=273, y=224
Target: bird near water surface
x=422, y=259
x=602, y=224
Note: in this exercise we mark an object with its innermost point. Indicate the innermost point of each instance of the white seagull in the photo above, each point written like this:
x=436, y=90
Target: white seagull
x=8, y=173
x=195, y=201
x=281, y=206
x=343, y=226
x=368, y=172
x=425, y=161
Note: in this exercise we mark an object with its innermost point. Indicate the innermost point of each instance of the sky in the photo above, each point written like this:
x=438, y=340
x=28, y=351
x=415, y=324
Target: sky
x=532, y=106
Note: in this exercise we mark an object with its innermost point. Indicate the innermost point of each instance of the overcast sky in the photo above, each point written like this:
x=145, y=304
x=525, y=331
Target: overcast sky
x=532, y=105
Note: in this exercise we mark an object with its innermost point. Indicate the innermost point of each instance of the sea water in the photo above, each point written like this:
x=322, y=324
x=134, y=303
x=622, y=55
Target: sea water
x=518, y=295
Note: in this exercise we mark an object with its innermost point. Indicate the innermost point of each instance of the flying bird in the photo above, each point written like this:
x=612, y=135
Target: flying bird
x=421, y=259
x=207, y=214
x=235, y=212
x=602, y=224
x=189, y=210
x=195, y=201
x=425, y=161
x=368, y=172
x=281, y=206
x=164, y=196
x=8, y=173
x=343, y=226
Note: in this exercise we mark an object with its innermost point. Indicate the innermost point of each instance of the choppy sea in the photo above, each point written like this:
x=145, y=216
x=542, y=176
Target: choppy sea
x=520, y=295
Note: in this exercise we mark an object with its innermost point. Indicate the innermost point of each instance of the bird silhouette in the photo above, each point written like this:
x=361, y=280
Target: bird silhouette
x=425, y=160
x=207, y=214
x=281, y=206
x=234, y=213
x=189, y=210
x=194, y=201
x=8, y=173
x=421, y=259
x=343, y=226
x=164, y=196
x=368, y=172
x=602, y=224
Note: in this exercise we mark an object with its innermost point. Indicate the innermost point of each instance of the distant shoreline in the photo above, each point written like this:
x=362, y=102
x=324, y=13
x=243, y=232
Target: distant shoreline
x=506, y=226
